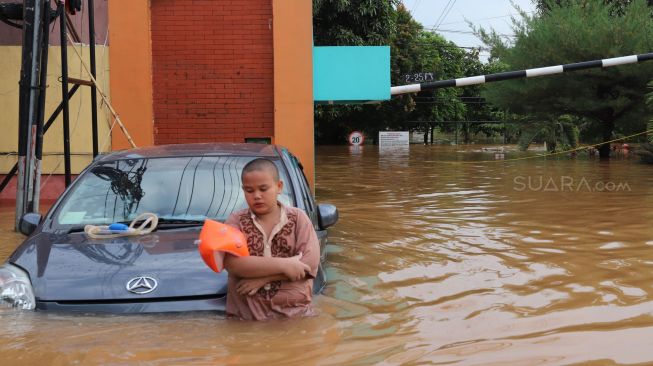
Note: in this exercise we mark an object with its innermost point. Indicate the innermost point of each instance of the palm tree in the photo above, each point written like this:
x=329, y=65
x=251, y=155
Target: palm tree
x=645, y=151
x=559, y=135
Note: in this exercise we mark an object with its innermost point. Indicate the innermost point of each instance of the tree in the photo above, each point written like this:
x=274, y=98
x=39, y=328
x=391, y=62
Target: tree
x=612, y=100
x=413, y=49
x=645, y=150
x=617, y=7
x=353, y=22
x=349, y=23
x=559, y=135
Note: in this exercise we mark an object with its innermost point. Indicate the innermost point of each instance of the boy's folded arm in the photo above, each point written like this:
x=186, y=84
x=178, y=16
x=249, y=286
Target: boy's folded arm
x=277, y=277
x=253, y=266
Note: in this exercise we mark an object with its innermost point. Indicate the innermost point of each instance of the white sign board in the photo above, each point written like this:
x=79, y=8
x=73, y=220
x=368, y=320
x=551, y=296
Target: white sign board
x=356, y=138
x=393, y=138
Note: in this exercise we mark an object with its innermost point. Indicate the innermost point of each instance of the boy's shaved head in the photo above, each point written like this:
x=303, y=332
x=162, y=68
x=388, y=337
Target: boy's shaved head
x=261, y=164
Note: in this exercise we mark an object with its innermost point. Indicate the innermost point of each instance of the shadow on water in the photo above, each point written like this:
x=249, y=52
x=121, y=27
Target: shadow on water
x=531, y=262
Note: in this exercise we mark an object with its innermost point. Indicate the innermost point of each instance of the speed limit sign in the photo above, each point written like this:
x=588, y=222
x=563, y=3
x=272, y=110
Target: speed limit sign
x=356, y=138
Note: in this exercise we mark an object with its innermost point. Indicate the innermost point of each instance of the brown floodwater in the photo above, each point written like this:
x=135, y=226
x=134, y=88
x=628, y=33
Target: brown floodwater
x=438, y=258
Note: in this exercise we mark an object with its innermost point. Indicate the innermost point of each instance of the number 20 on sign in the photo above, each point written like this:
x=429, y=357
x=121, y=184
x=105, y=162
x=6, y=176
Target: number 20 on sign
x=356, y=138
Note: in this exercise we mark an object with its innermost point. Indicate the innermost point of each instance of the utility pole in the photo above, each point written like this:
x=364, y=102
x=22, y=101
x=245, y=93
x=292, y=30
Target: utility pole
x=64, y=91
x=91, y=42
x=38, y=145
x=34, y=16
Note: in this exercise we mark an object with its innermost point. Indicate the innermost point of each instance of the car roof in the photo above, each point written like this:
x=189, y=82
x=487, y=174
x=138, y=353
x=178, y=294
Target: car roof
x=198, y=149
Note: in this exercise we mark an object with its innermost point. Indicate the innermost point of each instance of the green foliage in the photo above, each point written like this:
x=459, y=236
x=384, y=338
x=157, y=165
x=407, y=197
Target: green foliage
x=617, y=7
x=645, y=150
x=353, y=22
x=559, y=135
x=645, y=153
x=607, y=101
x=649, y=125
x=349, y=23
x=412, y=50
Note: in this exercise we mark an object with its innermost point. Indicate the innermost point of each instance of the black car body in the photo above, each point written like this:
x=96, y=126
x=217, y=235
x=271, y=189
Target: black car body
x=183, y=184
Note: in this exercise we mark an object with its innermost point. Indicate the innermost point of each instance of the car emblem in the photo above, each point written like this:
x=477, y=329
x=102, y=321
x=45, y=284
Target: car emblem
x=141, y=285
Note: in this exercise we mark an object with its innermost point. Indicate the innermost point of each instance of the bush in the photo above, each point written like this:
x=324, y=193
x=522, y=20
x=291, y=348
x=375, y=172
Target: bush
x=645, y=153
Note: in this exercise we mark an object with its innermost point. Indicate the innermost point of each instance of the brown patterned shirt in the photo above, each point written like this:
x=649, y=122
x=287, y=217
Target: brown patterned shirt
x=279, y=299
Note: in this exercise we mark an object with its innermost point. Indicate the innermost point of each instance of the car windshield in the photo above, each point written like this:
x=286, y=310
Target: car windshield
x=179, y=188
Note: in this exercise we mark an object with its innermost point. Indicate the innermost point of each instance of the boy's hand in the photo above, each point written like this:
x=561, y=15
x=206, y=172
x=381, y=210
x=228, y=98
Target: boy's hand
x=294, y=269
x=249, y=286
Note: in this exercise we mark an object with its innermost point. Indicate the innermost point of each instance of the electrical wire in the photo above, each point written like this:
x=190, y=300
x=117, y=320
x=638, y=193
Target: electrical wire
x=437, y=21
x=415, y=5
x=488, y=18
x=445, y=13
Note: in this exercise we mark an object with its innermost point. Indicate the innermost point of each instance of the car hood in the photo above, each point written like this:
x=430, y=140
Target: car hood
x=73, y=267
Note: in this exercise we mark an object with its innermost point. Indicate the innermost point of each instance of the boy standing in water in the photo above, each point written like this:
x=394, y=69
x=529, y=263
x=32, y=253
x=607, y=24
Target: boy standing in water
x=276, y=280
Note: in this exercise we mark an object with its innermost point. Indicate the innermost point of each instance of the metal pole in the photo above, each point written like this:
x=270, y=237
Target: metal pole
x=33, y=104
x=58, y=110
x=64, y=93
x=8, y=177
x=43, y=80
x=23, y=119
x=426, y=135
x=91, y=41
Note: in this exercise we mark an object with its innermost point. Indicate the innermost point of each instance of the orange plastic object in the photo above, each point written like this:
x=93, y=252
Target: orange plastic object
x=216, y=239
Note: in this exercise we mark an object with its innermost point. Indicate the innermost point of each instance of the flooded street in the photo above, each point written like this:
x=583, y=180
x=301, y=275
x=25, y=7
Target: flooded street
x=438, y=258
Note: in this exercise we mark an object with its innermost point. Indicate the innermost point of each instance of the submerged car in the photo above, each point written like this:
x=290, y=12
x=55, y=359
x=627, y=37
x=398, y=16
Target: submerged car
x=60, y=268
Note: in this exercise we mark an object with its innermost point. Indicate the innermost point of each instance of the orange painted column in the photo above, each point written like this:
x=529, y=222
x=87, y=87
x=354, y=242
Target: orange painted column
x=293, y=80
x=130, y=60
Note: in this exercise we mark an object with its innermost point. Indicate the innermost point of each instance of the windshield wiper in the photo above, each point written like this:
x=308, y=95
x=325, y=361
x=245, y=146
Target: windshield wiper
x=164, y=223
x=75, y=229
x=169, y=223
x=176, y=223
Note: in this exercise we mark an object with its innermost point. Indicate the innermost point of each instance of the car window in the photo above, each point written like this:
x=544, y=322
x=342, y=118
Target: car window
x=306, y=194
x=308, y=197
x=190, y=188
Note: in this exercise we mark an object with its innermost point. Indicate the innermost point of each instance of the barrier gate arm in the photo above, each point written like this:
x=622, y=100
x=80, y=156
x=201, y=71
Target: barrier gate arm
x=528, y=73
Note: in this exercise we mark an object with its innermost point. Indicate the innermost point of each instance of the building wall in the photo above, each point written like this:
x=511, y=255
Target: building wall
x=181, y=71
x=80, y=108
x=81, y=145
x=213, y=70
x=293, y=80
x=131, y=72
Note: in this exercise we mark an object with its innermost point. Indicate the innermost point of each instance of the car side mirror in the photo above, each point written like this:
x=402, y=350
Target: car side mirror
x=29, y=222
x=327, y=215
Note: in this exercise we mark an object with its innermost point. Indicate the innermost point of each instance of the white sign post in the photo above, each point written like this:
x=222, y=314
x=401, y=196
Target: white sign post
x=394, y=139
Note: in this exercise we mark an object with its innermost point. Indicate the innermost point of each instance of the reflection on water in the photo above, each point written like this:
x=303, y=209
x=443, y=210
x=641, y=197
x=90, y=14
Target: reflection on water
x=431, y=262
